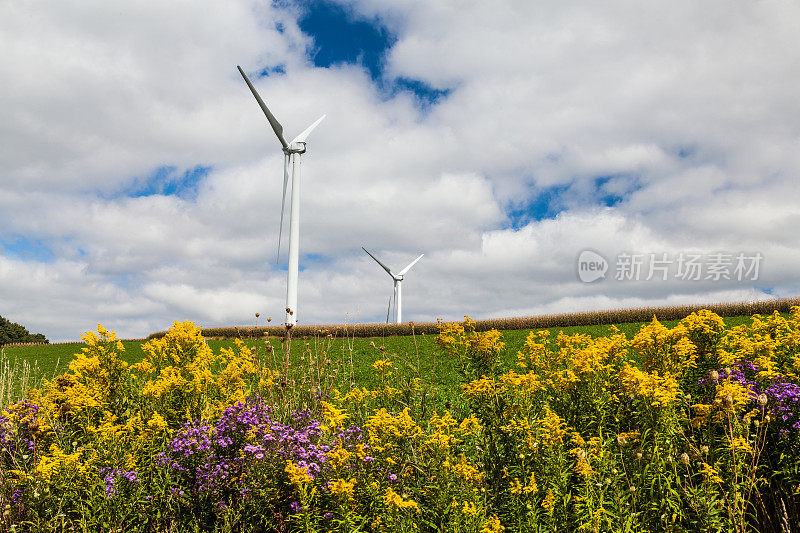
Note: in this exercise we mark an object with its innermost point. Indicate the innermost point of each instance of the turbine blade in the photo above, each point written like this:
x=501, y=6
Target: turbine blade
x=276, y=126
x=388, y=308
x=414, y=262
x=283, y=201
x=302, y=137
x=381, y=264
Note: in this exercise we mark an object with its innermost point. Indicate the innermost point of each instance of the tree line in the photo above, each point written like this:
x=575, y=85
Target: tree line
x=11, y=332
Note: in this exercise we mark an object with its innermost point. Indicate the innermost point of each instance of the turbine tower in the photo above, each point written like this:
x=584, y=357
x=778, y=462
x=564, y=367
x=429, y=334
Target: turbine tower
x=398, y=284
x=291, y=157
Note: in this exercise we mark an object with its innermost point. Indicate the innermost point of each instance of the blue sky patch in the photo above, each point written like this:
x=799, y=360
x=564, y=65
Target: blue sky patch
x=548, y=202
x=612, y=190
x=276, y=69
x=604, y=196
x=316, y=259
x=167, y=180
x=26, y=249
x=425, y=94
x=342, y=37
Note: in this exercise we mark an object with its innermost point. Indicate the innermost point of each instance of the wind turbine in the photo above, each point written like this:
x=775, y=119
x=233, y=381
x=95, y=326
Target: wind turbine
x=398, y=281
x=291, y=156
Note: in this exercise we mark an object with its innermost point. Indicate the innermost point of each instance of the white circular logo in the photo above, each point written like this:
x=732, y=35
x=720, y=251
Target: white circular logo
x=591, y=266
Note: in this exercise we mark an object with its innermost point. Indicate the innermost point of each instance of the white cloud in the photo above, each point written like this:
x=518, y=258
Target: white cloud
x=689, y=110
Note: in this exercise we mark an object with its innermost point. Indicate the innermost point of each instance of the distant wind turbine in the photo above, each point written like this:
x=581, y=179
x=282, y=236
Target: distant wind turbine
x=291, y=155
x=398, y=287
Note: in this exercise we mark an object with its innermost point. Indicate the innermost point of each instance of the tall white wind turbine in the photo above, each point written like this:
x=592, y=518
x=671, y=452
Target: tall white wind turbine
x=291, y=157
x=398, y=284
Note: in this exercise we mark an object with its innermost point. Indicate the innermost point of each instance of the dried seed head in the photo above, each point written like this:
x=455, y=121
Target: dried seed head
x=704, y=449
x=685, y=458
x=762, y=399
x=728, y=401
x=622, y=440
x=714, y=375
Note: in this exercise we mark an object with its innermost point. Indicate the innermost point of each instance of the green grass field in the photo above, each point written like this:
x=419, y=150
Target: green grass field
x=414, y=356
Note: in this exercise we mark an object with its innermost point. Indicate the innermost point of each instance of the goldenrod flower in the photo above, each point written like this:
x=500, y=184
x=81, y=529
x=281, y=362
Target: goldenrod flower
x=342, y=487
x=298, y=476
x=492, y=525
x=392, y=499
x=660, y=390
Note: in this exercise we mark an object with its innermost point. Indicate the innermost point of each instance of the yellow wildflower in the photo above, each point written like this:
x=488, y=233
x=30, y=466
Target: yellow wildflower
x=298, y=476
x=660, y=391
x=333, y=417
x=662, y=350
x=339, y=456
x=531, y=487
x=549, y=501
x=710, y=473
x=341, y=487
x=480, y=388
x=740, y=444
x=704, y=329
x=469, y=509
x=466, y=470
x=470, y=426
x=492, y=525
x=732, y=394
x=157, y=423
x=58, y=463
x=382, y=365
x=552, y=428
x=392, y=499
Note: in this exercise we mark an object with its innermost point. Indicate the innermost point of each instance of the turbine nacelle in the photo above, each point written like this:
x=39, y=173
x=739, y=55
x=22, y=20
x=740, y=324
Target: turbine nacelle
x=295, y=148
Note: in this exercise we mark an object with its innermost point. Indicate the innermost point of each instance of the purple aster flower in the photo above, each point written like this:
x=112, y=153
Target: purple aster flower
x=115, y=478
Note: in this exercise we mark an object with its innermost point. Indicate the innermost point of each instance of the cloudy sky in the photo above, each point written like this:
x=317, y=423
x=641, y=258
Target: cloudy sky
x=140, y=183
